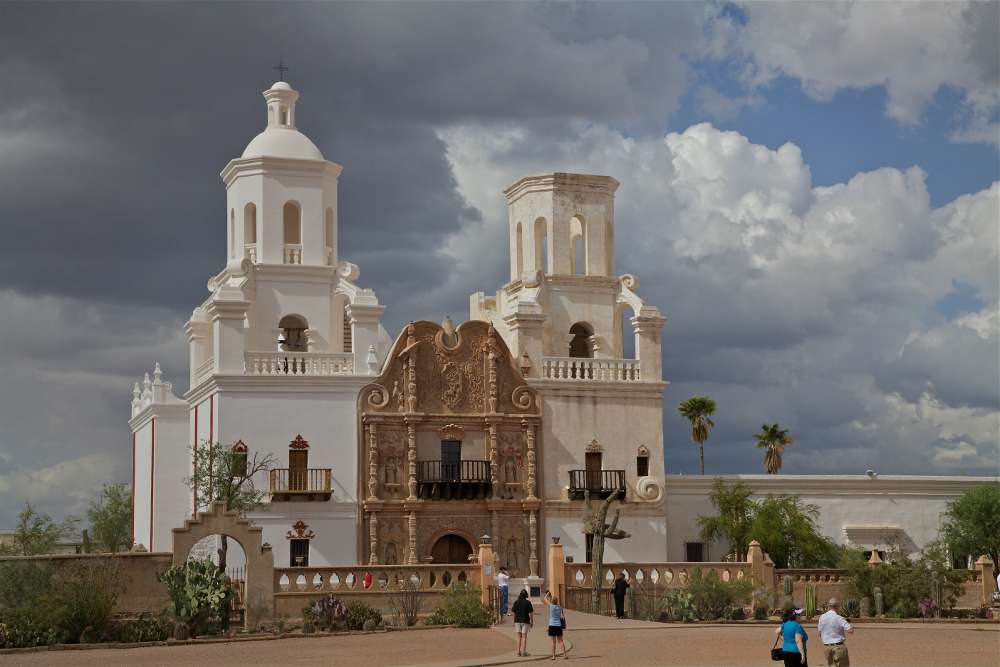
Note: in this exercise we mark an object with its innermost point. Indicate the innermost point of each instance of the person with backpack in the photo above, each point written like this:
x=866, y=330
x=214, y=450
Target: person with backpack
x=557, y=622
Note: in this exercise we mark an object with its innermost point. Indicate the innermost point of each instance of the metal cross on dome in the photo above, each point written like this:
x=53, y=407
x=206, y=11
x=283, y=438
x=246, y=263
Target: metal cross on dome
x=282, y=68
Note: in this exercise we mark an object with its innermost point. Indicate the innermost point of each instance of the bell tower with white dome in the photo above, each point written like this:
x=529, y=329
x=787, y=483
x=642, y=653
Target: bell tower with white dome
x=282, y=193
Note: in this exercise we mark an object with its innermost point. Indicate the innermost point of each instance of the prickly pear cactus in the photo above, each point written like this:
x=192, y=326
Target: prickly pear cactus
x=879, y=602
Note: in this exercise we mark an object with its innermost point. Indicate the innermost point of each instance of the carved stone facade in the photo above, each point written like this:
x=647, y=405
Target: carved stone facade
x=450, y=435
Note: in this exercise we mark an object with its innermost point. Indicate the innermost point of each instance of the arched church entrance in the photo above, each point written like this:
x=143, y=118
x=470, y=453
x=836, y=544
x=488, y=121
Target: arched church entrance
x=452, y=549
x=221, y=547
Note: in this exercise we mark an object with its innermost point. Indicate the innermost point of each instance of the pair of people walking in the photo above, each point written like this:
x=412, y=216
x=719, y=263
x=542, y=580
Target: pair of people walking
x=833, y=629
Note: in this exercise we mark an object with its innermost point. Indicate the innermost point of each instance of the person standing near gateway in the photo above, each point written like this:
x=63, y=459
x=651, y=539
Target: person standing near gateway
x=523, y=621
x=618, y=590
x=833, y=629
x=503, y=582
x=557, y=622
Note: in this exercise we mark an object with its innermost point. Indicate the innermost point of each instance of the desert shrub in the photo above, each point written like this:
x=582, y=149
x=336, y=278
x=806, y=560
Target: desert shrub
x=327, y=613
x=851, y=608
x=405, y=603
x=144, y=628
x=23, y=583
x=760, y=613
x=461, y=606
x=906, y=581
x=82, y=598
x=25, y=627
x=198, y=591
x=358, y=613
x=648, y=606
x=713, y=598
x=678, y=607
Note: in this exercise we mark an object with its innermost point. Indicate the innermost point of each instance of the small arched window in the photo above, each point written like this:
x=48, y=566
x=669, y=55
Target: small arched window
x=238, y=463
x=328, y=228
x=541, y=245
x=292, y=226
x=579, y=345
x=232, y=233
x=250, y=224
x=519, y=251
x=578, y=245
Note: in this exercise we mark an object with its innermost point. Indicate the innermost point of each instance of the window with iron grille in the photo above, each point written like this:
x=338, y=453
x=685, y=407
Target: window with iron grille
x=298, y=553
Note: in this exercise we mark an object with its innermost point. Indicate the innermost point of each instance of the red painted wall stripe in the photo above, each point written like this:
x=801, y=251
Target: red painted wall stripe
x=211, y=418
x=152, y=480
x=133, y=489
x=194, y=492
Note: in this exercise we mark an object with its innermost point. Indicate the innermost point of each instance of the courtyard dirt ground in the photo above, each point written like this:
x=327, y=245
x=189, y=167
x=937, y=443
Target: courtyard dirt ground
x=595, y=641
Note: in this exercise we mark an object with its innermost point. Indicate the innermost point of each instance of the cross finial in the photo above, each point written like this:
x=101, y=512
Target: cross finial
x=281, y=67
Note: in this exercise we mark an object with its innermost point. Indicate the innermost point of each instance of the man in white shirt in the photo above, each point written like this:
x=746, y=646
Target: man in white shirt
x=832, y=631
x=503, y=582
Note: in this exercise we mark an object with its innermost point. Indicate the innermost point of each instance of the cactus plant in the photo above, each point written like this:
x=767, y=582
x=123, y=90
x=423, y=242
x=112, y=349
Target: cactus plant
x=197, y=590
x=786, y=586
x=810, y=600
x=865, y=607
x=879, y=602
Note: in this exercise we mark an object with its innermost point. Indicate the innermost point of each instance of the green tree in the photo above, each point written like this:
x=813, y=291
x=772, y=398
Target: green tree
x=37, y=533
x=787, y=530
x=733, y=520
x=110, y=518
x=222, y=473
x=774, y=439
x=698, y=410
x=972, y=522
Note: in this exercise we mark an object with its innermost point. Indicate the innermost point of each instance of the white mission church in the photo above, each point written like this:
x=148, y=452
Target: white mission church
x=410, y=450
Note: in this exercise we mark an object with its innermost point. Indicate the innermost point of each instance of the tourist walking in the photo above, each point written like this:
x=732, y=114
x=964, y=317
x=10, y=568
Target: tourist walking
x=523, y=621
x=503, y=582
x=618, y=590
x=833, y=629
x=793, y=639
x=557, y=623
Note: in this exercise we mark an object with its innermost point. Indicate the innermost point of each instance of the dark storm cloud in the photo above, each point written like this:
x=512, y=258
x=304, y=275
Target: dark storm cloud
x=132, y=110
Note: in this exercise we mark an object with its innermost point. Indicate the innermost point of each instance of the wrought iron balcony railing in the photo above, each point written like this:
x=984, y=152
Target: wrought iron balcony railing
x=453, y=480
x=600, y=483
x=301, y=483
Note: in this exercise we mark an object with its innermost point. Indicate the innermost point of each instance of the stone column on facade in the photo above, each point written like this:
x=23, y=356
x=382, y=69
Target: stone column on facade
x=526, y=329
x=529, y=437
x=373, y=538
x=411, y=539
x=533, y=543
x=364, y=331
x=985, y=567
x=491, y=387
x=494, y=464
x=372, y=432
x=487, y=568
x=411, y=368
x=197, y=331
x=495, y=527
x=647, y=326
x=411, y=457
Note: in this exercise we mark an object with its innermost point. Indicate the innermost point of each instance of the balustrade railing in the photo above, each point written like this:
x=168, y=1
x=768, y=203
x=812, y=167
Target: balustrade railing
x=291, y=481
x=600, y=483
x=293, y=253
x=453, y=471
x=653, y=575
x=298, y=363
x=591, y=370
x=373, y=579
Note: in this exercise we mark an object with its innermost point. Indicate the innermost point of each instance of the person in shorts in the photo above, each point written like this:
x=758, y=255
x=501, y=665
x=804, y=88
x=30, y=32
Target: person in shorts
x=523, y=621
x=556, y=620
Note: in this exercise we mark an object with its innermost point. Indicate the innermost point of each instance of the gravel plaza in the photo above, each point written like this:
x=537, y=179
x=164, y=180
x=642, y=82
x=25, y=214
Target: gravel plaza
x=595, y=641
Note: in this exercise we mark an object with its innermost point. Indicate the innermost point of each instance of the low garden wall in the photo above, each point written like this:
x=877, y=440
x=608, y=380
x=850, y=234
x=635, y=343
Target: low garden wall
x=142, y=591
x=375, y=585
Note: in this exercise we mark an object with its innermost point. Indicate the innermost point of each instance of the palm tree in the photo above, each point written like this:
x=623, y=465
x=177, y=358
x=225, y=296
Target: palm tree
x=774, y=439
x=698, y=410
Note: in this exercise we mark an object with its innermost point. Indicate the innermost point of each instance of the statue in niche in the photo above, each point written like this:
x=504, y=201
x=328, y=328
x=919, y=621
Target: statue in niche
x=510, y=469
x=390, y=554
x=512, y=555
x=390, y=471
x=397, y=395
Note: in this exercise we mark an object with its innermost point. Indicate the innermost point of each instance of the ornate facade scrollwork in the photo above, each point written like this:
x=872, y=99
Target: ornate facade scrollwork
x=523, y=397
x=649, y=489
x=378, y=397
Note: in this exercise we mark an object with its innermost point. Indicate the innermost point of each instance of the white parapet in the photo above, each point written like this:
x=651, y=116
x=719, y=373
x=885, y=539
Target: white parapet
x=577, y=369
x=298, y=363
